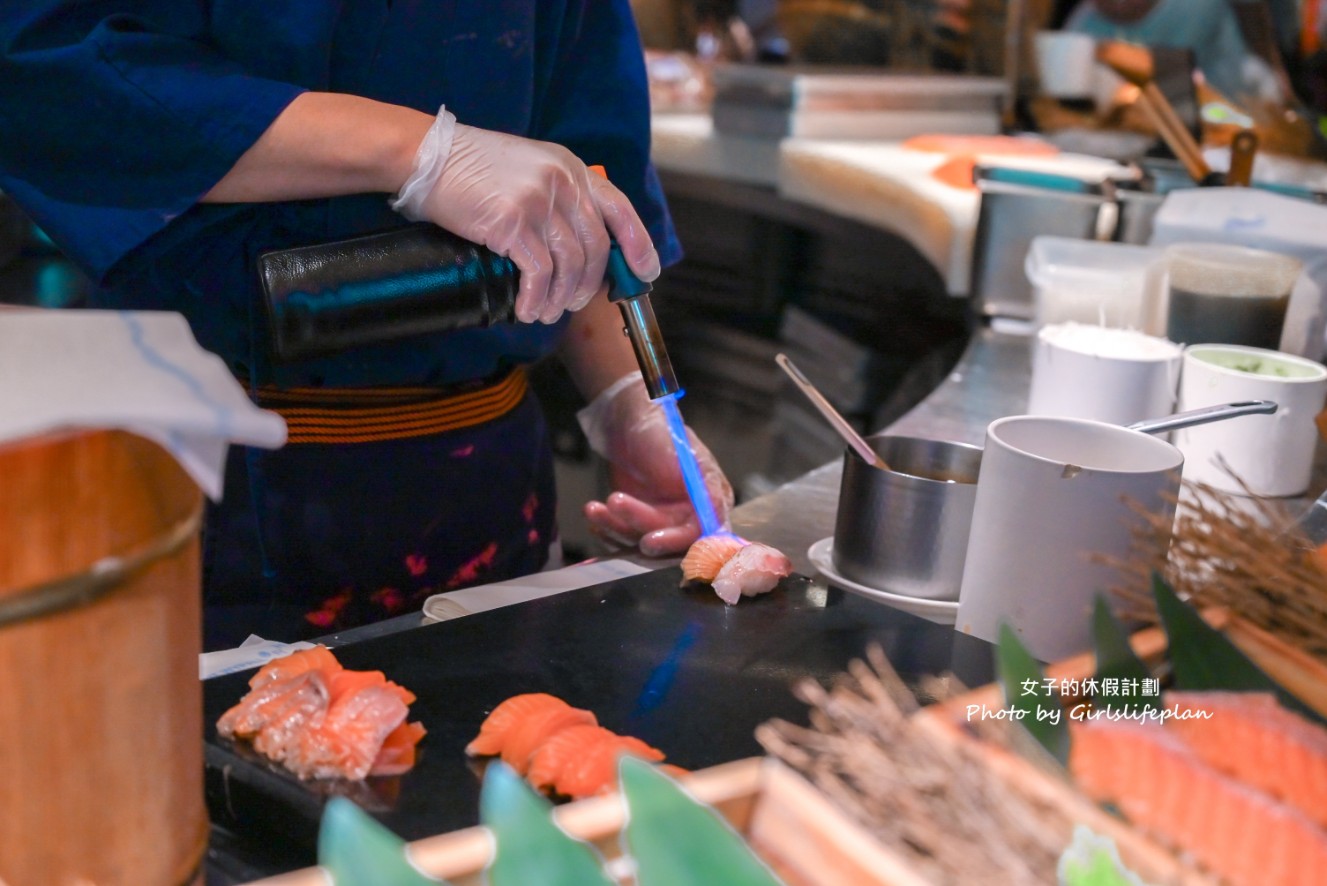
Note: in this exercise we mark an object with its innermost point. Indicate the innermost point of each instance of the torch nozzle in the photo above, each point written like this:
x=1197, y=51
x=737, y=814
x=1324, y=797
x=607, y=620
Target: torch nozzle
x=643, y=330
x=632, y=296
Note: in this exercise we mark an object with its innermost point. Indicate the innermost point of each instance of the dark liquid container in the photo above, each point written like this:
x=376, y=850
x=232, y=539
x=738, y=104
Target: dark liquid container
x=328, y=297
x=1202, y=318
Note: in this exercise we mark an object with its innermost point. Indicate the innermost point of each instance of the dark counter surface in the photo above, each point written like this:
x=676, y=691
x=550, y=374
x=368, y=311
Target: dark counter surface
x=673, y=666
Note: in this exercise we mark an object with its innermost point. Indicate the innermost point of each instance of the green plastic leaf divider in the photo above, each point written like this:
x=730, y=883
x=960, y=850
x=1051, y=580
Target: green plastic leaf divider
x=1203, y=658
x=678, y=841
x=356, y=850
x=530, y=847
x=1117, y=660
x=1036, y=708
x=1093, y=860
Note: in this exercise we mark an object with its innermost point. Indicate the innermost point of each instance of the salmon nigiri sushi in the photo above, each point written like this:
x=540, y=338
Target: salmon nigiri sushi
x=595, y=770
x=734, y=567
x=496, y=726
x=526, y=736
x=561, y=751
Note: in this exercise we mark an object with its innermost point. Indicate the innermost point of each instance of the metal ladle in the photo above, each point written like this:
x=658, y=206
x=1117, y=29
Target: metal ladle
x=1192, y=417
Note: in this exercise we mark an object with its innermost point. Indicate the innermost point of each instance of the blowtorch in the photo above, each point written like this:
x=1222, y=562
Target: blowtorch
x=368, y=290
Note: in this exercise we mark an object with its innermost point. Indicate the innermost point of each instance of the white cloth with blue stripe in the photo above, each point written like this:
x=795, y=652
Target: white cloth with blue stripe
x=137, y=371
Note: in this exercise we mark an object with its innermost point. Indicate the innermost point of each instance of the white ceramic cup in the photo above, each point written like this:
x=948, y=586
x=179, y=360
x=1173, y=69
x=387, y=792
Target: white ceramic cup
x=1066, y=64
x=1051, y=493
x=1112, y=375
x=1272, y=454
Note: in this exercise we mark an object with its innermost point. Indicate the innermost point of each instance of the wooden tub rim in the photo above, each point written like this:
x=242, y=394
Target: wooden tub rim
x=101, y=578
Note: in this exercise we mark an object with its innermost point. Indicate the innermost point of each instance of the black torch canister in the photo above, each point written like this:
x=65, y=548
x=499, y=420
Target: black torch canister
x=329, y=297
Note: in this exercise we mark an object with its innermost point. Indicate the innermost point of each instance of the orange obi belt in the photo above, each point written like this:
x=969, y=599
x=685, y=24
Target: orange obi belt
x=371, y=415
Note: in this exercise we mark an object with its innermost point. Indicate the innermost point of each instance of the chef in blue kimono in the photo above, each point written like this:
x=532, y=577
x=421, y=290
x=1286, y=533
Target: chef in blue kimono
x=164, y=144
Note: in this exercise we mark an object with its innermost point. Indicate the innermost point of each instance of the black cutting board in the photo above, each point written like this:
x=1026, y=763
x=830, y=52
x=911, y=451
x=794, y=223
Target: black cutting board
x=672, y=666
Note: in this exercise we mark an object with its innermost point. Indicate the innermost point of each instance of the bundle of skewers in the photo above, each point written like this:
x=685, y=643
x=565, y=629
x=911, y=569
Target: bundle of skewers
x=934, y=803
x=1239, y=553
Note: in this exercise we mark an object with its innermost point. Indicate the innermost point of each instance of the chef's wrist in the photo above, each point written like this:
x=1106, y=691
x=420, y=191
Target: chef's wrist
x=426, y=163
x=597, y=418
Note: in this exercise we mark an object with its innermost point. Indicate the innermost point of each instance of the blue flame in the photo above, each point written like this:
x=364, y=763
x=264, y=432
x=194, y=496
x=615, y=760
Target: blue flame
x=686, y=458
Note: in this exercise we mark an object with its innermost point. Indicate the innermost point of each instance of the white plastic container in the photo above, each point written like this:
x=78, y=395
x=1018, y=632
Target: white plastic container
x=1116, y=285
x=1271, y=454
x=1262, y=220
x=1118, y=376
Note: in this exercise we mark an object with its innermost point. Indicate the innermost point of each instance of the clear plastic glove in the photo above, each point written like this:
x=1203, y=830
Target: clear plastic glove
x=649, y=506
x=531, y=201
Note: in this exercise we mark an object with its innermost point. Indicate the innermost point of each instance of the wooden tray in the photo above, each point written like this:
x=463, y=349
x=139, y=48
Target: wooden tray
x=800, y=834
x=1300, y=673
x=809, y=841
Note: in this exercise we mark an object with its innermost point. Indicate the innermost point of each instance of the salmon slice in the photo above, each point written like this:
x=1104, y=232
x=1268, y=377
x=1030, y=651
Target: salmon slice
x=347, y=741
x=343, y=682
x=562, y=749
x=397, y=753
x=304, y=707
x=319, y=720
x=493, y=731
x=528, y=734
x=1251, y=737
x=596, y=769
x=1237, y=831
x=269, y=702
x=319, y=658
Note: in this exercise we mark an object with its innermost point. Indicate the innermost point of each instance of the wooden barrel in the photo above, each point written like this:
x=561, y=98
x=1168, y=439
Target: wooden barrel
x=101, y=746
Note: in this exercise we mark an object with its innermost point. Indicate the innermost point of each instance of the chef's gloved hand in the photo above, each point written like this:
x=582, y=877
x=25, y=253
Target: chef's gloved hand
x=532, y=202
x=649, y=506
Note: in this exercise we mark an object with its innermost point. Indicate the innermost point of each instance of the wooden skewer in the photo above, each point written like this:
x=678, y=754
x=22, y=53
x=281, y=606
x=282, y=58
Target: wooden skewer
x=1176, y=134
x=1243, y=148
x=1134, y=63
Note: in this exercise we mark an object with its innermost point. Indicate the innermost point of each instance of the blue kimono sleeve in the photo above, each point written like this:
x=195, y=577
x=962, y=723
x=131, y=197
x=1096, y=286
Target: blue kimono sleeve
x=598, y=106
x=119, y=122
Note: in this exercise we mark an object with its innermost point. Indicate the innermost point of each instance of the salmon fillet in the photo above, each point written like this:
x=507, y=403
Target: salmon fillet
x=1235, y=830
x=1251, y=737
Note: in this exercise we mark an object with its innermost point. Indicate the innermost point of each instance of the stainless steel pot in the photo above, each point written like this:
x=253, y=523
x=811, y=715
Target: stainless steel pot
x=905, y=530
